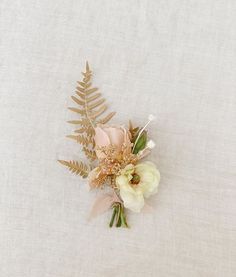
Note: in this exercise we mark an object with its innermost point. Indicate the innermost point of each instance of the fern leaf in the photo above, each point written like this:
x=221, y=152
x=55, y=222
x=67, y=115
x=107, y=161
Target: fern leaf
x=86, y=75
x=87, y=85
x=89, y=91
x=78, y=101
x=87, y=67
x=96, y=104
x=81, y=139
x=89, y=131
x=83, y=84
x=82, y=112
x=97, y=113
x=81, y=130
x=93, y=97
x=106, y=118
x=80, y=94
x=83, y=122
x=76, y=167
x=91, y=106
x=80, y=89
x=91, y=154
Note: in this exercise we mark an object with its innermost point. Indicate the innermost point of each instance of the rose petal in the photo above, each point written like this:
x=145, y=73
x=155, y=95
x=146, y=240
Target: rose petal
x=116, y=136
x=101, y=138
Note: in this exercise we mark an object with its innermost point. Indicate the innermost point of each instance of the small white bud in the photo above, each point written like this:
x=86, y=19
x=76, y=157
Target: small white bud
x=151, y=117
x=151, y=144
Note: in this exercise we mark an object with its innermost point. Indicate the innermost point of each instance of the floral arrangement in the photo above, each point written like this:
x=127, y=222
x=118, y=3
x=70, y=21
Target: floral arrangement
x=115, y=153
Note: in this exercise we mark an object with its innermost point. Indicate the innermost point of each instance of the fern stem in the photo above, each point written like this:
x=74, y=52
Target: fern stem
x=86, y=111
x=85, y=100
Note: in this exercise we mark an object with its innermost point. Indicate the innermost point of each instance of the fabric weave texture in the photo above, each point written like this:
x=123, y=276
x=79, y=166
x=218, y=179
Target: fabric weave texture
x=175, y=59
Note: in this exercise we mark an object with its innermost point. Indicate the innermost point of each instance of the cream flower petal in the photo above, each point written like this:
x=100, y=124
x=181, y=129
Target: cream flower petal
x=133, y=199
x=133, y=194
x=150, y=178
x=122, y=180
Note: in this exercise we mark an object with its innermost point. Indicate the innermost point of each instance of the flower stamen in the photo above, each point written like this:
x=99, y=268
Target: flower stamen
x=150, y=118
x=135, y=179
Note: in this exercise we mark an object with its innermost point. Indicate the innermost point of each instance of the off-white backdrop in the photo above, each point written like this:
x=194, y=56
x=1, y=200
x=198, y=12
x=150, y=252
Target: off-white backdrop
x=175, y=59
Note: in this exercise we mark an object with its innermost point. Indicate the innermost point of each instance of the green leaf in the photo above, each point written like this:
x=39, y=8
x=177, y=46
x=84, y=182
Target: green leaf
x=140, y=143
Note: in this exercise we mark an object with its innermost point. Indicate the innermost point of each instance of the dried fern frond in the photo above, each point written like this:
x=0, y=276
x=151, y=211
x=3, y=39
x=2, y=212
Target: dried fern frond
x=81, y=139
x=76, y=167
x=82, y=122
x=91, y=108
x=106, y=118
x=89, y=132
x=91, y=154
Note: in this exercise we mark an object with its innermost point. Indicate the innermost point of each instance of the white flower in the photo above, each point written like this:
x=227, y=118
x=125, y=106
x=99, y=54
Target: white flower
x=137, y=182
x=151, y=117
x=151, y=144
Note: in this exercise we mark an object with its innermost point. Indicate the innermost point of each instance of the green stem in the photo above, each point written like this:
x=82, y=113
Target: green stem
x=123, y=218
x=118, y=222
x=118, y=215
x=113, y=216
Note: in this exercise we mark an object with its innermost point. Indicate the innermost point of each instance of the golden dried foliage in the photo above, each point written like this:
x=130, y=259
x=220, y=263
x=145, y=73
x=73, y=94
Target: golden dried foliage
x=113, y=162
x=90, y=153
x=133, y=131
x=91, y=108
x=91, y=105
x=78, y=168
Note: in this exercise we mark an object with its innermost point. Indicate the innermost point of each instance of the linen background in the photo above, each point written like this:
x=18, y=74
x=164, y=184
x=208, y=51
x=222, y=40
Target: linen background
x=172, y=58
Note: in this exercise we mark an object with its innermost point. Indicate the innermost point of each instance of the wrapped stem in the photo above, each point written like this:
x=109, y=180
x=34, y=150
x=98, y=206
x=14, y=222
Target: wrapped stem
x=118, y=216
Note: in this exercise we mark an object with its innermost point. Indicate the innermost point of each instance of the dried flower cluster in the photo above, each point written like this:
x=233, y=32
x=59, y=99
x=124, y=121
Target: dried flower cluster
x=114, y=152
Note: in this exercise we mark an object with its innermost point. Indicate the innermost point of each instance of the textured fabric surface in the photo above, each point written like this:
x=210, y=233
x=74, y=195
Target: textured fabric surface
x=175, y=59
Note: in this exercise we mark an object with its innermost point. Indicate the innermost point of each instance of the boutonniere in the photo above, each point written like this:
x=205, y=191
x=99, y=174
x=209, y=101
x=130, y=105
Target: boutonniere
x=115, y=154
